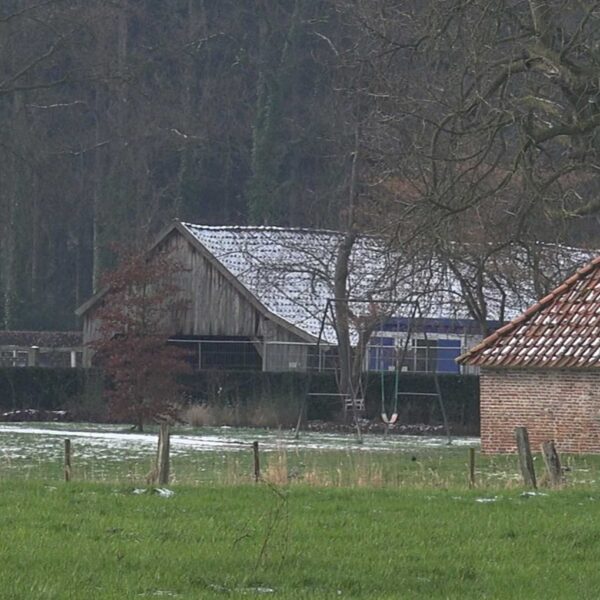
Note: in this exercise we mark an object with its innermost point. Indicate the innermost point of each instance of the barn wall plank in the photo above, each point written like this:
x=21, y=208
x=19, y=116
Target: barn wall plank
x=214, y=307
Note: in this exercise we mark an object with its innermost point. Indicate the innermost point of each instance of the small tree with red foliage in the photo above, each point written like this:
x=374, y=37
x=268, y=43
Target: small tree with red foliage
x=132, y=348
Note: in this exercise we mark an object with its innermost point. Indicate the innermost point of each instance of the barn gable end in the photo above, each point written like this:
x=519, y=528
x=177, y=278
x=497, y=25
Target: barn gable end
x=218, y=305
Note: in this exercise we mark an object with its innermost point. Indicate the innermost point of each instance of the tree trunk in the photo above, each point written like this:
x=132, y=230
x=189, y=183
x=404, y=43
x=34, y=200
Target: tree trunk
x=97, y=199
x=349, y=377
x=341, y=309
x=10, y=234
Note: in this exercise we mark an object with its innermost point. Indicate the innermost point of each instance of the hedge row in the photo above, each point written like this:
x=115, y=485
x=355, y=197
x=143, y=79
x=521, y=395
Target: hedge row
x=80, y=390
x=286, y=390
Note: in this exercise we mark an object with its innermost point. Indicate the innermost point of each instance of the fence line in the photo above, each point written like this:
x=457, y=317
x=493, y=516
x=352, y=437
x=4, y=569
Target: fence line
x=383, y=354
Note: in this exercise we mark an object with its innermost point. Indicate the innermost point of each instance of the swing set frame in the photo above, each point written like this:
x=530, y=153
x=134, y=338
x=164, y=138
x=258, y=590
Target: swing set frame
x=389, y=421
x=416, y=317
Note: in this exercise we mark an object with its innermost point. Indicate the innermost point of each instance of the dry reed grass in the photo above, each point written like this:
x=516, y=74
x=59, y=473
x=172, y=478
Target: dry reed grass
x=276, y=471
x=264, y=415
x=360, y=474
x=204, y=415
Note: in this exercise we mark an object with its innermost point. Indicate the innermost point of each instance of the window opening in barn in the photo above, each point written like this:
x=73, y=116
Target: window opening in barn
x=222, y=353
x=235, y=354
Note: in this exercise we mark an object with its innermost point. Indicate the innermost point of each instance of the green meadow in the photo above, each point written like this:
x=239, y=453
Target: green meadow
x=329, y=518
x=104, y=541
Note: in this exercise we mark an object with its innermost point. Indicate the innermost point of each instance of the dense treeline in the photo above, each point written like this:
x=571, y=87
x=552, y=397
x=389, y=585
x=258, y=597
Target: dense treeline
x=117, y=116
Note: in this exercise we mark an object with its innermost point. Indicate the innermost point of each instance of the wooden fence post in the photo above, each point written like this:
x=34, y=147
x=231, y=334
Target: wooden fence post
x=256, y=462
x=471, y=467
x=301, y=417
x=33, y=355
x=162, y=459
x=552, y=462
x=67, y=460
x=525, y=458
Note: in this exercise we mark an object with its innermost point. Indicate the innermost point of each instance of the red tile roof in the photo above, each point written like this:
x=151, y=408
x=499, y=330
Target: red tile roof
x=562, y=330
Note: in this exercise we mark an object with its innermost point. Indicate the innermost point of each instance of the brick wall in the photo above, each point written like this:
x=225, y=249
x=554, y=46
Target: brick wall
x=562, y=405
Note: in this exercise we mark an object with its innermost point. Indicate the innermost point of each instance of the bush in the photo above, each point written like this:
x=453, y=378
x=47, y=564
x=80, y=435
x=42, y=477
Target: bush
x=251, y=398
x=274, y=399
x=47, y=389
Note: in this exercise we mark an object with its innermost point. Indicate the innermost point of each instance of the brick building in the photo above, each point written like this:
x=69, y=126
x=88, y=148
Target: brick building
x=542, y=371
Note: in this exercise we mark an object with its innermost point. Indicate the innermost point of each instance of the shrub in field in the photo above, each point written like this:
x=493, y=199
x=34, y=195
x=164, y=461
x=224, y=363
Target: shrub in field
x=262, y=414
x=270, y=414
x=197, y=415
x=205, y=415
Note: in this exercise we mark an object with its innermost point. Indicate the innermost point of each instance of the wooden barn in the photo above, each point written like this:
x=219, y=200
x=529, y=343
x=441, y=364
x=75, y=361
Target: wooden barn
x=258, y=297
x=225, y=325
x=542, y=371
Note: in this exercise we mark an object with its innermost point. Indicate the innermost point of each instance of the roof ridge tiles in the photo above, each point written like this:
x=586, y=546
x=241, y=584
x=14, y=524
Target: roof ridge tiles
x=545, y=301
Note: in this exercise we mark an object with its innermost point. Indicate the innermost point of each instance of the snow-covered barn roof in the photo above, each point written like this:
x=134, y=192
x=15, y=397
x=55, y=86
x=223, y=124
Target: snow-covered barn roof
x=291, y=272
x=562, y=330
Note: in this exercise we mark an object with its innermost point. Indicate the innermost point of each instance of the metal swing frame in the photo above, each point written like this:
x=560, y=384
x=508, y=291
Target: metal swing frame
x=392, y=420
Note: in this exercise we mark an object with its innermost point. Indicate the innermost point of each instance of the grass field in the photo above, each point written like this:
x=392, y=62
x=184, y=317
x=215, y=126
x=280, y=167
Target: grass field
x=101, y=541
x=388, y=519
x=104, y=453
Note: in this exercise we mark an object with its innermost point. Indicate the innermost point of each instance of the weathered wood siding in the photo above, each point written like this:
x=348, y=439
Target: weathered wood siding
x=214, y=307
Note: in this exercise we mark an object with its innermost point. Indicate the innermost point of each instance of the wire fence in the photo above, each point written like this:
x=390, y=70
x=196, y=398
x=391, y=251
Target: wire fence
x=40, y=357
x=383, y=354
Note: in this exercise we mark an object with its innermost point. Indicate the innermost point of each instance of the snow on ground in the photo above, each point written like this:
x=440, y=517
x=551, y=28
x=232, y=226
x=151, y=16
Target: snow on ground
x=31, y=440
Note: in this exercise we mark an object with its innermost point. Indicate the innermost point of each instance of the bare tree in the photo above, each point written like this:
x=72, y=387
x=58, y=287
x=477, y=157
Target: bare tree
x=481, y=139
